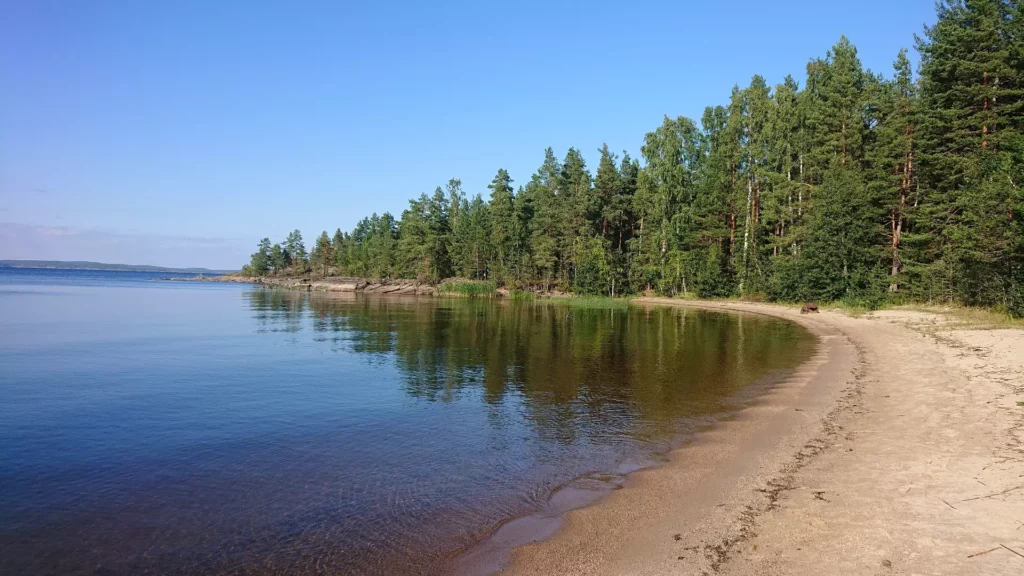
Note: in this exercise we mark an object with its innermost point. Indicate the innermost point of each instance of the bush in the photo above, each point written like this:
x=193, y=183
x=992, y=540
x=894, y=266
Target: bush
x=468, y=288
x=593, y=272
x=716, y=278
x=593, y=303
x=521, y=295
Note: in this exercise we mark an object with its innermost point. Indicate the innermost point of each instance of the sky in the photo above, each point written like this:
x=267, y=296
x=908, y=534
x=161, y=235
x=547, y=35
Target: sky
x=180, y=133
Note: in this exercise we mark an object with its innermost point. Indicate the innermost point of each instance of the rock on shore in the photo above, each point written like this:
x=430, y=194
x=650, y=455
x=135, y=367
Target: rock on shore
x=408, y=287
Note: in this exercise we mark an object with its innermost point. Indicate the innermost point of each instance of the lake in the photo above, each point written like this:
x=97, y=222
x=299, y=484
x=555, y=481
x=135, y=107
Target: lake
x=184, y=427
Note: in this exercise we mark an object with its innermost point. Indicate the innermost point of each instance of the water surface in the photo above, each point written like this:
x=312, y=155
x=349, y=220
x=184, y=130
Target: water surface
x=182, y=428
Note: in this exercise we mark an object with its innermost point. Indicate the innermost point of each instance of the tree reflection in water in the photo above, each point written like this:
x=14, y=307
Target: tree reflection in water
x=596, y=372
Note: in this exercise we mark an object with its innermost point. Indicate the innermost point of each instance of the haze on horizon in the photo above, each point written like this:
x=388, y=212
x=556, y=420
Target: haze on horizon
x=178, y=135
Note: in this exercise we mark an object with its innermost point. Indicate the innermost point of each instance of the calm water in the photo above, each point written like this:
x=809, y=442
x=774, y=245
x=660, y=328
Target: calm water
x=182, y=428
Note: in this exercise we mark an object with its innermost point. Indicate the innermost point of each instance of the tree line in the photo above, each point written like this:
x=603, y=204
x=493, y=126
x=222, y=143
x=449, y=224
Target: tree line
x=851, y=186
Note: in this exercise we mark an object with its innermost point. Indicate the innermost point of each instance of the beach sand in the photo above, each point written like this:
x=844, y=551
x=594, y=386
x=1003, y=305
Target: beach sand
x=897, y=449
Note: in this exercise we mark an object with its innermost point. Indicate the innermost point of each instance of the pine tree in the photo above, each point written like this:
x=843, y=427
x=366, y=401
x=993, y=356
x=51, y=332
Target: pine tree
x=782, y=208
x=837, y=113
x=503, y=228
x=278, y=259
x=971, y=103
x=474, y=237
x=543, y=230
x=893, y=181
x=296, y=251
x=342, y=250
x=607, y=187
x=839, y=260
x=259, y=263
x=323, y=254
x=711, y=211
x=575, y=203
x=425, y=237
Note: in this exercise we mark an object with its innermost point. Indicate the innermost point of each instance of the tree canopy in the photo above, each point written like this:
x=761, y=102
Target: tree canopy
x=853, y=186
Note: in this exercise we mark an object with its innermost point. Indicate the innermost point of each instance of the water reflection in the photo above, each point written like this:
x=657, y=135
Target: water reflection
x=593, y=372
x=237, y=431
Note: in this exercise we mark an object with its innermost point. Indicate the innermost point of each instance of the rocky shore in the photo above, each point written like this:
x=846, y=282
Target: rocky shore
x=330, y=284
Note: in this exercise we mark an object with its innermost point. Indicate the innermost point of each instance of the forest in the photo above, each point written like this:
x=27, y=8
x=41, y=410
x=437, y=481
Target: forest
x=850, y=186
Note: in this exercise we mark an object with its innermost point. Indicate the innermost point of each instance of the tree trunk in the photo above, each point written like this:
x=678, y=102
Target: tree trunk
x=896, y=222
x=897, y=214
x=732, y=234
x=746, y=231
x=757, y=203
x=800, y=191
x=732, y=215
x=746, y=225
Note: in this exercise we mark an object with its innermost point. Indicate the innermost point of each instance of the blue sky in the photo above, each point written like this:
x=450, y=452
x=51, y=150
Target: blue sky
x=179, y=133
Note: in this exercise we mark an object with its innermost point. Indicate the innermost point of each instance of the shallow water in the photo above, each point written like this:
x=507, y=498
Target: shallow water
x=181, y=428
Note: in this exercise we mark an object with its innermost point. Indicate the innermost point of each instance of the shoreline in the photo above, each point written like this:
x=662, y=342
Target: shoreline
x=493, y=554
x=573, y=544
x=817, y=471
x=329, y=284
x=900, y=450
x=898, y=447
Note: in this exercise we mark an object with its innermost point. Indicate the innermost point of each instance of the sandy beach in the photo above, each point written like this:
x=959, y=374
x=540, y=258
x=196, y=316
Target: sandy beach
x=897, y=449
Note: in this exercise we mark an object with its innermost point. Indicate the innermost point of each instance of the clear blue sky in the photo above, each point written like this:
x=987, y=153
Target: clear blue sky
x=179, y=133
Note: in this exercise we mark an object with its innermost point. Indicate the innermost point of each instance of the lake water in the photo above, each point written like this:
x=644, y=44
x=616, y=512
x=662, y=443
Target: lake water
x=183, y=428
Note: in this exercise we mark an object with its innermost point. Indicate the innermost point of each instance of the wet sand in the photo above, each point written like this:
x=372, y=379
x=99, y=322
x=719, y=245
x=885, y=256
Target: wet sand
x=897, y=449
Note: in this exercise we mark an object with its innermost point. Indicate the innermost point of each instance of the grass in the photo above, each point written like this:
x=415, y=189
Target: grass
x=685, y=296
x=968, y=317
x=521, y=295
x=592, y=302
x=467, y=288
x=855, y=309
x=959, y=316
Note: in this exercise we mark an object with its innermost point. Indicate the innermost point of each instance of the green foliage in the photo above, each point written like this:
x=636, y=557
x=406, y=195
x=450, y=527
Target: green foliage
x=259, y=263
x=715, y=278
x=593, y=273
x=591, y=303
x=521, y=295
x=853, y=188
x=504, y=228
x=838, y=259
x=278, y=259
x=970, y=126
x=322, y=256
x=470, y=288
x=296, y=250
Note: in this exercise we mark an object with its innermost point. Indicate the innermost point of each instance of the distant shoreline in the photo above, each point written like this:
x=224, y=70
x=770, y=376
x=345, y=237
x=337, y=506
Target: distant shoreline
x=103, y=267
